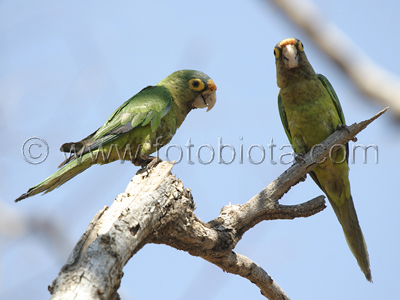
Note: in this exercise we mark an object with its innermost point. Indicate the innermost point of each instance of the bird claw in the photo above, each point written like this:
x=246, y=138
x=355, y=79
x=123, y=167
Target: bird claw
x=146, y=163
x=300, y=158
x=154, y=162
x=345, y=127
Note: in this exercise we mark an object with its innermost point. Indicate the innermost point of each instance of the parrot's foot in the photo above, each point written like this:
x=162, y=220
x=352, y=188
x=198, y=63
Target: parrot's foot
x=345, y=127
x=300, y=158
x=143, y=160
x=154, y=162
x=146, y=163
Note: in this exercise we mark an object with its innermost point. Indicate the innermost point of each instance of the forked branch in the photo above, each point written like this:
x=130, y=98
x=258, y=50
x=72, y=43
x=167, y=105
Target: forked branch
x=156, y=208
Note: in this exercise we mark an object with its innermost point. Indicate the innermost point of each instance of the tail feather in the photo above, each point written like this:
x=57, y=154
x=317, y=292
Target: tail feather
x=347, y=217
x=64, y=174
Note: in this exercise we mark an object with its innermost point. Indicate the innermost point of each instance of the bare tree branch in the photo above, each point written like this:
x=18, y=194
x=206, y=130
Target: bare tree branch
x=370, y=79
x=241, y=265
x=156, y=208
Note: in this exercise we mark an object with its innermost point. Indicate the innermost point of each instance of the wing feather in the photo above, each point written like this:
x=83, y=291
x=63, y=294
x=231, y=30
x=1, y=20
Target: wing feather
x=336, y=102
x=148, y=106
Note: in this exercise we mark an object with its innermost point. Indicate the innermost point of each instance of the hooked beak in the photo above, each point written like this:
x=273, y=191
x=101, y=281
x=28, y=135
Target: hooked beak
x=208, y=98
x=290, y=57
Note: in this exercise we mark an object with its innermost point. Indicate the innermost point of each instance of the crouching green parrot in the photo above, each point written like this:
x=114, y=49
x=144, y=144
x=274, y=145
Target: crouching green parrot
x=310, y=111
x=139, y=127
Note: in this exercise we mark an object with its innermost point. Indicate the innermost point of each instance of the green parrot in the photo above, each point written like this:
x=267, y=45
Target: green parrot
x=139, y=127
x=310, y=111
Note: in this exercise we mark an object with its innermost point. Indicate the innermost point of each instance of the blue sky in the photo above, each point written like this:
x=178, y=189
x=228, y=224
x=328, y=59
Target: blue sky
x=65, y=67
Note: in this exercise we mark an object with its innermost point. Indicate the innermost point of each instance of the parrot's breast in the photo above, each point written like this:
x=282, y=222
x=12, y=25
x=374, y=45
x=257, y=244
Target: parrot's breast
x=310, y=112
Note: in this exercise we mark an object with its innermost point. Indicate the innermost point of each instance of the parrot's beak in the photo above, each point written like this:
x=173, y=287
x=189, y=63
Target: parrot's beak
x=208, y=98
x=290, y=57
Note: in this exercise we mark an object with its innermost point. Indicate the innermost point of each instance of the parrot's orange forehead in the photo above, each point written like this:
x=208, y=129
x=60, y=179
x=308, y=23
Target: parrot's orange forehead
x=289, y=41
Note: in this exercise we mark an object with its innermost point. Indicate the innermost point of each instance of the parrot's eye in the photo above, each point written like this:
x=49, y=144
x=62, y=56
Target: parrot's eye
x=196, y=84
x=276, y=53
x=300, y=46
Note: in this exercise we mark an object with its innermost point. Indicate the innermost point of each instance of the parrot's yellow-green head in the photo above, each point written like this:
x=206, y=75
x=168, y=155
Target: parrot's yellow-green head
x=291, y=61
x=191, y=88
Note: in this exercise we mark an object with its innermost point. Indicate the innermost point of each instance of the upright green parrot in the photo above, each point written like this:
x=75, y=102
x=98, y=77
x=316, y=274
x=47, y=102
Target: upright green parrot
x=139, y=127
x=310, y=111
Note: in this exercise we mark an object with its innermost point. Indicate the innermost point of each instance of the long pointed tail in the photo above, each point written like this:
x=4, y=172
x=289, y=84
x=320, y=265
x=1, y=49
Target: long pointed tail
x=347, y=217
x=64, y=174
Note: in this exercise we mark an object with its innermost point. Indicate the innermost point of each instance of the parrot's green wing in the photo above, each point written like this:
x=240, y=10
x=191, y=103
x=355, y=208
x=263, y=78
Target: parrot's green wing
x=334, y=97
x=336, y=102
x=148, y=106
x=282, y=114
x=339, y=110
